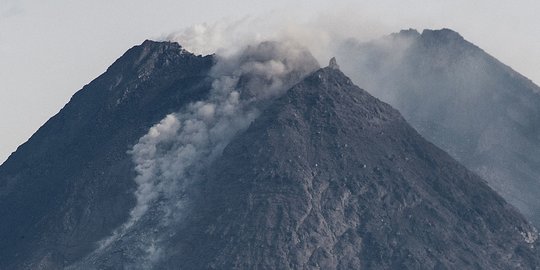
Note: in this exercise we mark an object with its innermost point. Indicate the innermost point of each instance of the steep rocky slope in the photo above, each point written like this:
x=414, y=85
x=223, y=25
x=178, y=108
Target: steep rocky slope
x=72, y=183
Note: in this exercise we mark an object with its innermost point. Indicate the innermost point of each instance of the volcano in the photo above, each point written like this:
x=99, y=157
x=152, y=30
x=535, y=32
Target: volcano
x=318, y=174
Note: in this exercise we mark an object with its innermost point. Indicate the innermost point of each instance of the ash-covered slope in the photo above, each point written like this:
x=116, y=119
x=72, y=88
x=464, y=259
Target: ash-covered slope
x=479, y=110
x=72, y=183
x=329, y=177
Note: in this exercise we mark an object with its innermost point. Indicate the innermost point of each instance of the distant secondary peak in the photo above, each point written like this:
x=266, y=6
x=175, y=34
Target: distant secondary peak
x=333, y=63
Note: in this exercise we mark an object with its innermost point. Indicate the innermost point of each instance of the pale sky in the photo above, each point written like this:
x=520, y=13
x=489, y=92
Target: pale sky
x=51, y=49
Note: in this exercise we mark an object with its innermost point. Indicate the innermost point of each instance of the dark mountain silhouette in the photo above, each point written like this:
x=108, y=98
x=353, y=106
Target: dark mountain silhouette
x=326, y=177
x=474, y=107
x=71, y=184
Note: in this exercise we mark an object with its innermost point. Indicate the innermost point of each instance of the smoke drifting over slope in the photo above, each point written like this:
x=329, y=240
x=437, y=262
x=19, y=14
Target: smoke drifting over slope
x=182, y=144
x=172, y=156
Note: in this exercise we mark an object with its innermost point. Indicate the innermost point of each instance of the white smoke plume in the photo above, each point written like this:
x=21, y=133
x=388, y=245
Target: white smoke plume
x=183, y=143
x=175, y=151
x=321, y=35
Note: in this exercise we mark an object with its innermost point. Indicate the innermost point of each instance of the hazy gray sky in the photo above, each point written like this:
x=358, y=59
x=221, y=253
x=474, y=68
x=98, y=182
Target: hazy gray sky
x=50, y=49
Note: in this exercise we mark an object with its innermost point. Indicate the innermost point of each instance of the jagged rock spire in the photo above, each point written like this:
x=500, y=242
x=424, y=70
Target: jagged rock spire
x=333, y=63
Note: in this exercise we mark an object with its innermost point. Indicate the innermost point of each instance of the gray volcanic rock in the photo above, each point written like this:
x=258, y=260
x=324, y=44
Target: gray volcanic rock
x=474, y=107
x=329, y=177
x=72, y=183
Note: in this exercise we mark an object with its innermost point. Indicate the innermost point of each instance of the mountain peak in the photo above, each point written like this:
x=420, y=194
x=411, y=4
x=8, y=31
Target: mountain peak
x=112, y=112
